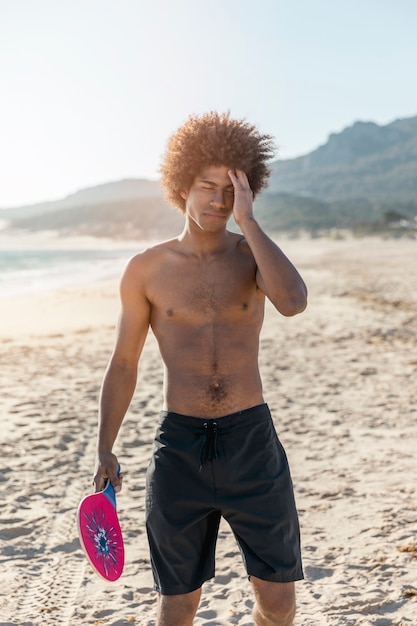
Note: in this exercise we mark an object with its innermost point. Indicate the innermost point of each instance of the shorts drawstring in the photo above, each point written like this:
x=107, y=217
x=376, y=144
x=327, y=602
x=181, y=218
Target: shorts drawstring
x=208, y=450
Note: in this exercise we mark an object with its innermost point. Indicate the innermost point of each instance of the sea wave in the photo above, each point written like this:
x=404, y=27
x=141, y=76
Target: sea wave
x=37, y=270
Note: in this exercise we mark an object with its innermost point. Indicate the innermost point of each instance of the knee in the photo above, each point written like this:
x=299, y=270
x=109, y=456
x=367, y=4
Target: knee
x=275, y=604
x=179, y=609
x=278, y=611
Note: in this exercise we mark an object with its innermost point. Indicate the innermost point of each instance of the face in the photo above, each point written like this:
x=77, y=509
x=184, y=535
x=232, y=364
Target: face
x=209, y=201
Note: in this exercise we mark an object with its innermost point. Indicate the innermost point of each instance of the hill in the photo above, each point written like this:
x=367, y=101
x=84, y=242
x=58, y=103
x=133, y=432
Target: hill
x=152, y=218
x=363, y=178
x=118, y=191
x=285, y=212
x=138, y=218
x=363, y=162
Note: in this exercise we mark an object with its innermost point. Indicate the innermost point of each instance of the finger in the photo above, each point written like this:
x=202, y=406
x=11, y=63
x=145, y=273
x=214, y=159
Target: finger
x=116, y=481
x=243, y=178
x=232, y=176
x=99, y=482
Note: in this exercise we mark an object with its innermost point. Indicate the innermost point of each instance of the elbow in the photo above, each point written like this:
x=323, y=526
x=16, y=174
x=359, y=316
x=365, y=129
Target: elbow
x=294, y=304
x=293, y=309
x=289, y=301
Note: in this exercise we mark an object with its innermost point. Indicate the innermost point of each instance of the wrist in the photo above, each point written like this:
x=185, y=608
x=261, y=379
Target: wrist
x=246, y=222
x=102, y=452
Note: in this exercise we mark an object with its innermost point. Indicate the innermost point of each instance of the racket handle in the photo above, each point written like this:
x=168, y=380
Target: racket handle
x=108, y=490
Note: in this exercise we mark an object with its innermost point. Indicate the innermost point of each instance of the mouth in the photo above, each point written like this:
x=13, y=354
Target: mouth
x=215, y=216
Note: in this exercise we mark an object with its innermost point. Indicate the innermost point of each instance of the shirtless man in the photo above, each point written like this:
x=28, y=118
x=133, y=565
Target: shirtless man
x=216, y=451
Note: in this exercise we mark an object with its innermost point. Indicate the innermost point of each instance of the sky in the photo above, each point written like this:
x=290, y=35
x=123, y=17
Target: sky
x=90, y=90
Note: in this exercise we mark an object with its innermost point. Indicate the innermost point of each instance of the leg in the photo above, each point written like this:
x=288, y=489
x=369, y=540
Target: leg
x=178, y=610
x=182, y=517
x=274, y=603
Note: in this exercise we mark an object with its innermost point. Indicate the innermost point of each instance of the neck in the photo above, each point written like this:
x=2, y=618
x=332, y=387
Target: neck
x=202, y=243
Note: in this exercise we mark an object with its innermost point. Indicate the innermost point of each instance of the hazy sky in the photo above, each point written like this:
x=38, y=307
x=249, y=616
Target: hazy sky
x=90, y=90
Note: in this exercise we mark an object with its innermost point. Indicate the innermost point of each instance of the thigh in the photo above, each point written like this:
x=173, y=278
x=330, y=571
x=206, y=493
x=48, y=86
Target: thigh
x=181, y=520
x=260, y=507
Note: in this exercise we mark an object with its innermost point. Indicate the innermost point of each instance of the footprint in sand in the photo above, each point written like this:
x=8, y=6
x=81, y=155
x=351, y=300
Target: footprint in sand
x=316, y=573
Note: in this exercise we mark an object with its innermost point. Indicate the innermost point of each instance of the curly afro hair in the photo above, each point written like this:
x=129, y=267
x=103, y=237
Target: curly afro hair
x=214, y=139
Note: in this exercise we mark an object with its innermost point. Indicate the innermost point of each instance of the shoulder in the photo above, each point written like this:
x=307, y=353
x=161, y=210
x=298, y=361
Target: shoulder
x=242, y=246
x=238, y=241
x=144, y=264
x=241, y=255
x=149, y=256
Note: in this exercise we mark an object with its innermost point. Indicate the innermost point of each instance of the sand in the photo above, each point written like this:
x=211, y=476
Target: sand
x=341, y=382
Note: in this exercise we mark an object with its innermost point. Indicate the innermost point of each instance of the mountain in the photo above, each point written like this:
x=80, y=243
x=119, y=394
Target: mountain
x=363, y=162
x=137, y=218
x=119, y=191
x=363, y=177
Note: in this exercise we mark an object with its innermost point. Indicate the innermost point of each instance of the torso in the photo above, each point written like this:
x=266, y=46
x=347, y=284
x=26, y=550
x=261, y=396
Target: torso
x=206, y=316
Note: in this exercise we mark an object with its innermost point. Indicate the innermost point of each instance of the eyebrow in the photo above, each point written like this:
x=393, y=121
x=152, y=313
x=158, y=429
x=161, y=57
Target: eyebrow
x=207, y=181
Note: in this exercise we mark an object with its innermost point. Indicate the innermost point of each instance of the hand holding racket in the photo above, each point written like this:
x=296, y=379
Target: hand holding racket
x=100, y=533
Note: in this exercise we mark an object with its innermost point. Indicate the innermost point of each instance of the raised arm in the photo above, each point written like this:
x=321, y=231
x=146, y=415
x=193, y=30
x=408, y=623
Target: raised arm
x=120, y=377
x=276, y=275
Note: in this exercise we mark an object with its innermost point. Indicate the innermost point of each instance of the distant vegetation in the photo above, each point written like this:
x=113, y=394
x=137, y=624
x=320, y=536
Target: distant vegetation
x=363, y=179
x=140, y=218
x=285, y=212
x=150, y=218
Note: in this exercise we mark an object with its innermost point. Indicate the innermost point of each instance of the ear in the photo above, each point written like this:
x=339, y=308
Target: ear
x=183, y=194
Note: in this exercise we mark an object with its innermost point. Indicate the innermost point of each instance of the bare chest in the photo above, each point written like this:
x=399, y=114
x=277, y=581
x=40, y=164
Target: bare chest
x=210, y=292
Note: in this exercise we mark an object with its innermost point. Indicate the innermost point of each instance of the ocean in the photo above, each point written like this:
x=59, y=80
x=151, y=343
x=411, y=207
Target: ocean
x=37, y=270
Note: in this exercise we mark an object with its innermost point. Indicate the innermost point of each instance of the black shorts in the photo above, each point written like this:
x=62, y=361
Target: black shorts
x=202, y=469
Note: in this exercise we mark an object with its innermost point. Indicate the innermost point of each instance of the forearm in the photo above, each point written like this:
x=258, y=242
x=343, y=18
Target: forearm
x=116, y=393
x=277, y=276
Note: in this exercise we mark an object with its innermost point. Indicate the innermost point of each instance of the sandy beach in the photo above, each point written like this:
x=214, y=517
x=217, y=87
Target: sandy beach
x=340, y=380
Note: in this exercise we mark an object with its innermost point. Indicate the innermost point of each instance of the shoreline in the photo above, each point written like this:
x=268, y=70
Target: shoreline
x=51, y=239
x=94, y=301
x=70, y=309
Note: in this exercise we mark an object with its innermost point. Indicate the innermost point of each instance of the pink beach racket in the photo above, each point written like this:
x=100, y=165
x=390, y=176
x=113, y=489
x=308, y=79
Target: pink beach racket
x=100, y=533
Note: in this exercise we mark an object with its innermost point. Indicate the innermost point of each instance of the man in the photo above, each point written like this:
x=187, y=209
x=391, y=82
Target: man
x=216, y=451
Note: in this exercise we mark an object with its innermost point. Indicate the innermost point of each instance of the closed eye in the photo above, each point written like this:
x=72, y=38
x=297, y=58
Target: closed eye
x=212, y=188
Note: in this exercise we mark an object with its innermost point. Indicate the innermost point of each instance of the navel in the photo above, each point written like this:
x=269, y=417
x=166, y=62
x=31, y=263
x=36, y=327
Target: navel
x=245, y=306
x=170, y=312
x=217, y=391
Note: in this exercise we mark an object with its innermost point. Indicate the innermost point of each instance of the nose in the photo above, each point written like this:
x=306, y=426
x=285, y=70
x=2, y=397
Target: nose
x=217, y=201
